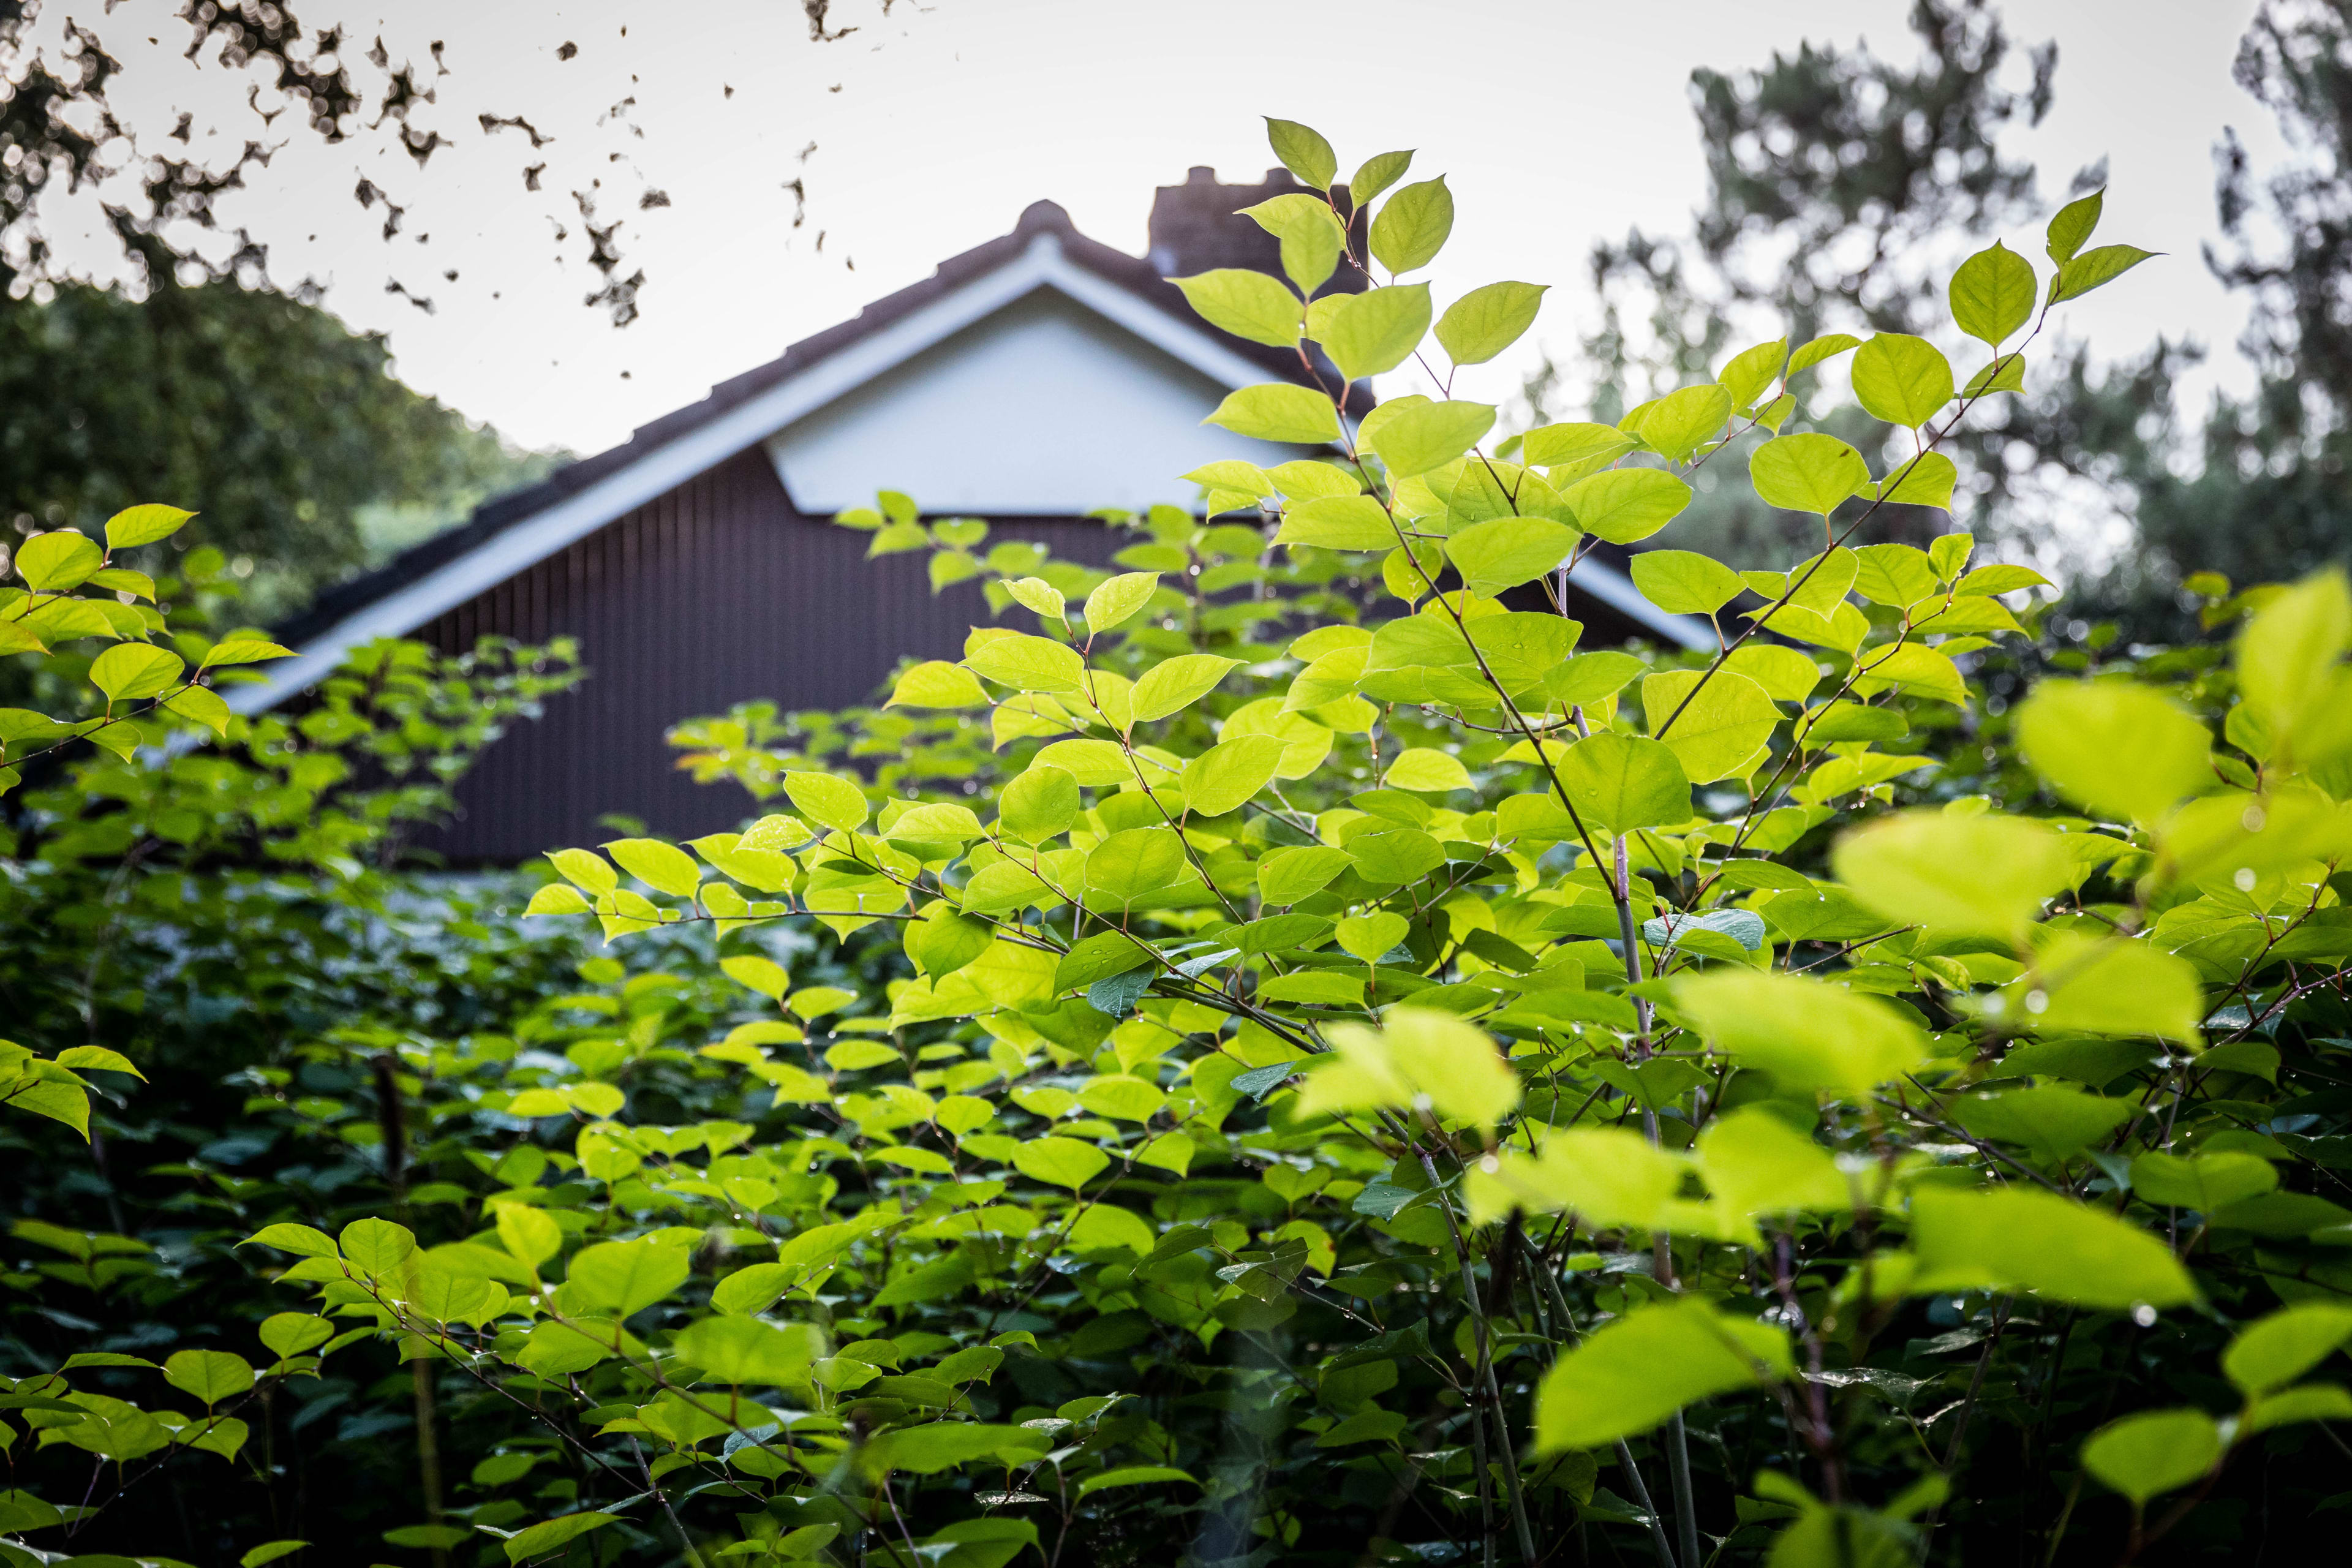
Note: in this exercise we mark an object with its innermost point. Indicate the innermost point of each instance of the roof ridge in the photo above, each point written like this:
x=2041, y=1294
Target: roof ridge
x=1041, y=221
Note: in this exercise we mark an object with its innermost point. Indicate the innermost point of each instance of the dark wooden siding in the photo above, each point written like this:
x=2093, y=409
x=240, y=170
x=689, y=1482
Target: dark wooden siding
x=715, y=593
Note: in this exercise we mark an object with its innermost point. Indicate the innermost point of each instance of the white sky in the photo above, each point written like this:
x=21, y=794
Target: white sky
x=1555, y=124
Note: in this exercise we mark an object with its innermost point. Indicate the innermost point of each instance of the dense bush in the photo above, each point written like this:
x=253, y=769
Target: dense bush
x=1290, y=1059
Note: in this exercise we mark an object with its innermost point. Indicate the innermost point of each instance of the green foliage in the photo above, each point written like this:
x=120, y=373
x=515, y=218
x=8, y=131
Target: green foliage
x=1196, y=1078
x=144, y=693
x=310, y=457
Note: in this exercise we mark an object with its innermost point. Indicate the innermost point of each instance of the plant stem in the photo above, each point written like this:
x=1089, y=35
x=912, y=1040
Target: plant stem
x=391, y=1120
x=1658, y=1542
x=1961, y=1427
x=428, y=1450
x=1662, y=1258
x=1686, y=1500
x=1483, y=1387
x=1565, y=1326
x=685, y=1541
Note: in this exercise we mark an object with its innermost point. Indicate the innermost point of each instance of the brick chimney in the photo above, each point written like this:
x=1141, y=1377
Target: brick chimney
x=1195, y=227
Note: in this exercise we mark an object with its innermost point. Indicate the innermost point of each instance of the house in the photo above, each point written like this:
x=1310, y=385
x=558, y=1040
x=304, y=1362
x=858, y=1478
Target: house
x=697, y=565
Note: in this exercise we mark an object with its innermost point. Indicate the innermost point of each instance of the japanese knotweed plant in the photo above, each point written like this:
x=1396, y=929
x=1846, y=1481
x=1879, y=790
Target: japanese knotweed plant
x=150, y=680
x=1508, y=939
x=1360, y=1076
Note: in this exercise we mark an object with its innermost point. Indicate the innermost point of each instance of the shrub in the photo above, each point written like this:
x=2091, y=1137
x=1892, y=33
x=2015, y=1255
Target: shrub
x=1340, y=1074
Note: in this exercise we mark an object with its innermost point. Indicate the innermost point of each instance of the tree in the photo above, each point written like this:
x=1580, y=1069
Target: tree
x=1832, y=177
x=190, y=375
x=1839, y=183
x=2269, y=497
x=291, y=428
x=1831, y=173
x=180, y=363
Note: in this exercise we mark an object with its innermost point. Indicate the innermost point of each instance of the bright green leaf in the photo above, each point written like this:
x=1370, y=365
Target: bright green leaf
x=739, y=1351
x=2016, y=1238
x=1377, y=330
x=54, y=561
x=132, y=670
x=1623, y=505
x=2288, y=652
x=1175, y=684
x=1715, y=730
x=1809, y=471
x=2203, y=1182
x=1304, y=153
x=1675, y=426
x=1039, y=804
x=378, y=1246
x=662, y=867
x=1417, y=1056
x=1684, y=582
x=1247, y=304
x=1819, y=351
x=1576, y=445
x=1426, y=770
x=2116, y=986
x=823, y=798
x=1027, y=663
x=2053, y=1121
x=1630, y=1374
x=1914, y=669
x=1060, y=1162
x=1925, y=478
x=1287, y=876
x=209, y=1377
x=2073, y=225
x=1131, y=1476
x=1370, y=937
x=2094, y=268
x=1411, y=227
x=2114, y=747
x=1279, y=411
x=1338, y=522
x=620, y=1279
x=1968, y=875
x=549, y=1535
x=1507, y=551
x=1486, y=320
x=945, y=1445
x=1414, y=435
x=1901, y=379
x=299, y=1239
x=138, y=526
x=1751, y=371
x=2273, y=1352
x=1992, y=294
x=2154, y=1452
x=1221, y=778
x=1379, y=171
x=1618, y=783
x=938, y=684
x=1807, y=1034
x=1133, y=864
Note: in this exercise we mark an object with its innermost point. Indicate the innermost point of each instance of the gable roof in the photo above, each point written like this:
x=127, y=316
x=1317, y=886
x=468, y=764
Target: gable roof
x=514, y=531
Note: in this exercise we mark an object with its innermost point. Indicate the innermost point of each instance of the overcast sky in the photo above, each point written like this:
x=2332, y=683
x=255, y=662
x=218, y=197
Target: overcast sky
x=935, y=124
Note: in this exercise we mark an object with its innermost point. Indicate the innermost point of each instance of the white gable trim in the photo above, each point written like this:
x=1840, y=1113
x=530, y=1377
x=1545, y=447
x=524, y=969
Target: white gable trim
x=1042, y=264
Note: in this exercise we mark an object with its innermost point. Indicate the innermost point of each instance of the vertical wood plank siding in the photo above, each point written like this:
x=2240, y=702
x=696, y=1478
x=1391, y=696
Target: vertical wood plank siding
x=715, y=594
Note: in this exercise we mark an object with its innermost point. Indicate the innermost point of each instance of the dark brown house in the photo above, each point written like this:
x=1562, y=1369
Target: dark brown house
x=1028, y=381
